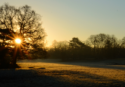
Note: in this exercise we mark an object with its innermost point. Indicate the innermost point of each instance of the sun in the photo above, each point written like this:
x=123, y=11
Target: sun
x=18, y=41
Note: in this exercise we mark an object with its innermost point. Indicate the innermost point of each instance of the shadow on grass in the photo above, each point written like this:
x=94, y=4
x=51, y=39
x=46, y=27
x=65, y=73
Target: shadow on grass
x=9, y=66
x=62, y=78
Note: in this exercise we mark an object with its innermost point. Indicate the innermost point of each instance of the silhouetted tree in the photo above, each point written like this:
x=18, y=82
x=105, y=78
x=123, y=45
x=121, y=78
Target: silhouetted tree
x=59, y=49
x=123, y=42
x=23, y=23
x=39, y=51
x=76, y=43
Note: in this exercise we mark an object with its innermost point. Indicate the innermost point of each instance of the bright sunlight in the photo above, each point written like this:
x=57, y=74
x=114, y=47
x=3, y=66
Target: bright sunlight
x=18, y=41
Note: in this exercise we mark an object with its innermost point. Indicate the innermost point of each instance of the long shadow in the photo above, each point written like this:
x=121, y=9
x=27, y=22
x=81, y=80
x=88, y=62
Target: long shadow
x=32, y=78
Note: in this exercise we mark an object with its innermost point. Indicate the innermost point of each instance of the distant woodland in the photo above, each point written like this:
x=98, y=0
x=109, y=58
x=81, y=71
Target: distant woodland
x=100, y=46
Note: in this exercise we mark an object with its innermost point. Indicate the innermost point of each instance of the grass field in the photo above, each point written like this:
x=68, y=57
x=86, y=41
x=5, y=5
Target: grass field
x=64, y=74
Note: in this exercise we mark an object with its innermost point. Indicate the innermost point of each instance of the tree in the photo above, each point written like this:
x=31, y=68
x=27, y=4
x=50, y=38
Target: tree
x=23, y=23
x=98, y=40
x=76, y=43
x=59, y=49
x=39, y=51
x=123, y=42
x=78, y=49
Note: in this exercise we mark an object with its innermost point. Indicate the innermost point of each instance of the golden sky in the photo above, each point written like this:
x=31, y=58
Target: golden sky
x=65, y=19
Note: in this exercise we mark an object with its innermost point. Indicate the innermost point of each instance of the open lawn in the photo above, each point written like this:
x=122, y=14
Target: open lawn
x=36, y=73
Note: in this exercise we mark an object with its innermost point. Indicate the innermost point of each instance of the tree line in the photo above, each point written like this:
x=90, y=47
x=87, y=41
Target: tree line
x=100, y=46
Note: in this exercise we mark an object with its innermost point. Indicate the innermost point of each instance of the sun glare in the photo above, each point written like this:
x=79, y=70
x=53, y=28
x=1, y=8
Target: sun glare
x=18, y=41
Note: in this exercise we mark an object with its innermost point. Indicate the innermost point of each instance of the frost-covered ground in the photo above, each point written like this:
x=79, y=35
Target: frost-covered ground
x=53, y=73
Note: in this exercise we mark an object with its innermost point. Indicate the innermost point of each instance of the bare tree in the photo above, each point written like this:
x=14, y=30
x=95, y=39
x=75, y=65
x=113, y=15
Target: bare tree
x=123, y=42
x=76, y=43
x=24, y=23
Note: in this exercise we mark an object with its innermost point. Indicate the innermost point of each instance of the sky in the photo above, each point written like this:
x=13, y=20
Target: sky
x=64, y=19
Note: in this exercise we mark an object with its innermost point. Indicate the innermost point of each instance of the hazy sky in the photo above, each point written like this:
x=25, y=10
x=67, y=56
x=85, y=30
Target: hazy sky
x=64, y=19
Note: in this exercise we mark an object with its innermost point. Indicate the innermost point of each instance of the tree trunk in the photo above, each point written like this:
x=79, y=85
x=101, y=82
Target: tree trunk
x=15, y=55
